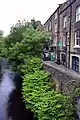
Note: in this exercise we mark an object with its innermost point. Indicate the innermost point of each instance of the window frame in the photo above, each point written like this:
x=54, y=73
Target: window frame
x=56, y=27
x=47, y=27
x=77, y=14
x=64, y=21
x=64, y=41
x=55, y=16
x=77, y=38
x=55, y=40
x=50, y=25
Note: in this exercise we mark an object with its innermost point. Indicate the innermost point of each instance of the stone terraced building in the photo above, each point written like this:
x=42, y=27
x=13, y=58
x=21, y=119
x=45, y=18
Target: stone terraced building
x=64, y=24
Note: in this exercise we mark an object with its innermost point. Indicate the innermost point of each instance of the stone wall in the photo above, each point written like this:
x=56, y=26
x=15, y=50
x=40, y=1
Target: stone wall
x=66, y=80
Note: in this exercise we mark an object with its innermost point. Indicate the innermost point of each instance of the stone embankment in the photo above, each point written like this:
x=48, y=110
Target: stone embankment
x=66, y=80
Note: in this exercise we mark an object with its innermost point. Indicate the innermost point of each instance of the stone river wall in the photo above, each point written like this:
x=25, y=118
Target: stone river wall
x=66, y=80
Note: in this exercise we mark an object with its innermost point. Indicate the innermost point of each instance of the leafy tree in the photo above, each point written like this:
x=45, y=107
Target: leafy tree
x=2, y=47
x=17, y=30
x=34, y=39
x=23, y=40
x=16, y=33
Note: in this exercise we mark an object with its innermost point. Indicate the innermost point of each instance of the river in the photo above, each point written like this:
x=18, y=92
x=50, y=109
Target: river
x=12, y=106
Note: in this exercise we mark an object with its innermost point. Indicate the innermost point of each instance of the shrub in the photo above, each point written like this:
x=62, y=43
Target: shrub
x=31, y=64
x=46, y=103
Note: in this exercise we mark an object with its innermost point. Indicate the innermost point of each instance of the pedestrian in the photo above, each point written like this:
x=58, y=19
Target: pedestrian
x=47, y=55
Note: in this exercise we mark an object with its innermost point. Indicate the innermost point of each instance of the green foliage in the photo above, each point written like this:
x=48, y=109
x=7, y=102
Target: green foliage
x=32, y=64
x=23, y=48
x=25, y=31
x=25, y=40
x=34, y=39
x=16, y=33
x=75, y=94
x=46, y=103
x=2, y=47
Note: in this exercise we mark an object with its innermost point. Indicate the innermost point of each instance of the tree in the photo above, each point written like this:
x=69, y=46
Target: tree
x=1, y=46
x=34, y=40
x=16, y=33
x=25, y=39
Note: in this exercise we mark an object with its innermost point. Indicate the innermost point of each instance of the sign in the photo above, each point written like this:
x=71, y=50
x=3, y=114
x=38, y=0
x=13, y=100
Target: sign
x=60, y=43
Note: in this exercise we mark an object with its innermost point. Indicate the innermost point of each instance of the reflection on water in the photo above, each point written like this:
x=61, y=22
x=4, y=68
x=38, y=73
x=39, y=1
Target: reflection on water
x=11, y=103
x=6, y=88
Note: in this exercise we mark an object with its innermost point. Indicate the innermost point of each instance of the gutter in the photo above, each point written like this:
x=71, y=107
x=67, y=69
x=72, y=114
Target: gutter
x=67, y=6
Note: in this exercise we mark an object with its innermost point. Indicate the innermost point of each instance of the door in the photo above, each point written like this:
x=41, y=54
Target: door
x=75, y=63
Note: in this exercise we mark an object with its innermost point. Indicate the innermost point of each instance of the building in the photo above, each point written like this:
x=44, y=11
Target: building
x=64, y=25
x=51, y=25
x=66, y=32
x=75, y=34
x=37, y=24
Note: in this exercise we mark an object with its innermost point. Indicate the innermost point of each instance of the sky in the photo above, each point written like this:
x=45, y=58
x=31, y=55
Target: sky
x=13, y=10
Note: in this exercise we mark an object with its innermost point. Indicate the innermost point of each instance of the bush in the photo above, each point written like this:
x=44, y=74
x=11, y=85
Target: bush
x=32, y=64
x=46, y=103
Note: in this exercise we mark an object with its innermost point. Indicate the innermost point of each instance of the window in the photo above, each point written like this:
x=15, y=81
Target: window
x=77, y=38
x=55, y=41
x=68, y=19
x=56, y=15
x=65, y=22
x=77, y=13
x=47, y=27
x=50, y=26
x=64, y=41
x=55, y=27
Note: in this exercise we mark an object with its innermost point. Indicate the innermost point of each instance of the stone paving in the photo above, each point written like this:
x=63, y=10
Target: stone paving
x=62, y=68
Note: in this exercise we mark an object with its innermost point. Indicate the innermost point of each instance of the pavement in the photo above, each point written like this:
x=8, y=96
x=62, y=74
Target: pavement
x=62, y=68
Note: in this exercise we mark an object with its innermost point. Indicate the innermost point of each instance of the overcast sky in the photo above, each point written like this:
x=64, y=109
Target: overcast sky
x=13, y=10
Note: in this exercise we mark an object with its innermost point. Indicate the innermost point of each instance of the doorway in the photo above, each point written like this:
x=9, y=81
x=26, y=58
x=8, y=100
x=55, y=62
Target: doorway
x=75, y=63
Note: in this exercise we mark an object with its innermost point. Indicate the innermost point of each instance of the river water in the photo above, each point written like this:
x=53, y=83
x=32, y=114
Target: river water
x=11, y=102
x=6, y=87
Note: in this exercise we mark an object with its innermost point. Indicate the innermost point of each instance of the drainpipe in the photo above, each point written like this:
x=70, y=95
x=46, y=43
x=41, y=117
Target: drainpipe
x=58, y=47
x=70, y=32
